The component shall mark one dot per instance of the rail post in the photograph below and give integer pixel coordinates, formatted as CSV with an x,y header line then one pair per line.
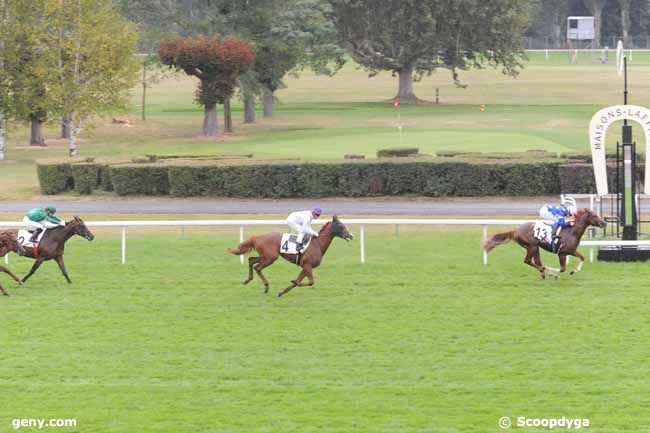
x,y
241,239
485,254
362,243
123,244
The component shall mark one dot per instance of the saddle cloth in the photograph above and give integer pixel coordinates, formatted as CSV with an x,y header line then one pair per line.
x,y
290,243
543,231
24,236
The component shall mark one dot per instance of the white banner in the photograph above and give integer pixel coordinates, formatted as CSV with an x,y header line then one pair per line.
x,y
598,131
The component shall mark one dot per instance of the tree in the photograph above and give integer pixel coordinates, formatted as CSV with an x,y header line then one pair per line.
x,y
596,8
411,38
216,62
92,54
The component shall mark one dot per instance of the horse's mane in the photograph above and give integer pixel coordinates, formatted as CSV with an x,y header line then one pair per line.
x,y
6,236
327,224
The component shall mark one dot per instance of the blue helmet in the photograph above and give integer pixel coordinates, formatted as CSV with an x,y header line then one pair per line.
x,y
316,210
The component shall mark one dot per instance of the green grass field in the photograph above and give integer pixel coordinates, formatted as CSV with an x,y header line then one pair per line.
x,y
548,106
422,338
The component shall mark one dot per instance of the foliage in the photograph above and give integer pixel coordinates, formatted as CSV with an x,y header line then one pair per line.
x,y
397,151
216,62
420,36
55,178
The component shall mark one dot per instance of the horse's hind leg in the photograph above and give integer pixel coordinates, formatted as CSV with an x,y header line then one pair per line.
x,y
263,263
251,262
582,262
37,263
2,290
537,264
11,274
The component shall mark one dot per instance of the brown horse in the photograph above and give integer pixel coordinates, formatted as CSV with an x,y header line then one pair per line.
x,y
268,247
9,242
569,241
53,244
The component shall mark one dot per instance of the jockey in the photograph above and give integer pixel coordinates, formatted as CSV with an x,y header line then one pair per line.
x,y
40,220
301,221
562,216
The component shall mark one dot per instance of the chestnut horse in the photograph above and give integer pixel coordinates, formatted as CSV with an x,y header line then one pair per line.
x,y
268,247
569,241
53,244
9,242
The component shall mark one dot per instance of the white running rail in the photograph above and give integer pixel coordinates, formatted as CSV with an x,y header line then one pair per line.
x,y
361,223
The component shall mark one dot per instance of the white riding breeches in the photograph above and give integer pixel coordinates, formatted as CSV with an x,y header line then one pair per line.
x,y
32,225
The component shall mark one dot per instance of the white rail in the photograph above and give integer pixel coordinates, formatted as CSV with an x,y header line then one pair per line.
x,y
362,223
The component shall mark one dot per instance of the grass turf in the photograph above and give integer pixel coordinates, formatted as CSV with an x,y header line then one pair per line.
x,y
422,338
547,107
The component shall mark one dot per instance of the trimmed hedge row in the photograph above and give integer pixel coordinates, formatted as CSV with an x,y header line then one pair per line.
x,y
397,152
349,179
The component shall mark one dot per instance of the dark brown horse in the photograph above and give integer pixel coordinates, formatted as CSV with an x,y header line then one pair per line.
x,y
569,241
268,247
9,242
52,245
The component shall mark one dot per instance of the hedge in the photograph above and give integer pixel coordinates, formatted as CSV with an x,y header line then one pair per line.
x,y
55,178
435,178
397,152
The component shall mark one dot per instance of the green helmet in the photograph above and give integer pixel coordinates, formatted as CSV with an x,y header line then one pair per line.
x,y
50,208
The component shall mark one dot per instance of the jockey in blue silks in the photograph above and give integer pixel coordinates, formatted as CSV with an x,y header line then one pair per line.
x,y
561,215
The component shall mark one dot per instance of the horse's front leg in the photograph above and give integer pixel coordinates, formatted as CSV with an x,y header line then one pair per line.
x,y
294,283
308,272
37,263
11,274
59,261
582,262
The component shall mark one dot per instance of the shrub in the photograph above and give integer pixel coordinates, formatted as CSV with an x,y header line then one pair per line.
x,y
397,152
55,178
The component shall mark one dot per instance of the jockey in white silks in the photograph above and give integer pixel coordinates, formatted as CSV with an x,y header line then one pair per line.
x,y
300,221
562,216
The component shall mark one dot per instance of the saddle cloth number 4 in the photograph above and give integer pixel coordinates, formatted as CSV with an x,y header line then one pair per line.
x,y
542,232
290,242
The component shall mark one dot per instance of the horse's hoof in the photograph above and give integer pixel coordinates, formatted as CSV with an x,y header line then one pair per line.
x,y
245,282
279,294
266,289
21,283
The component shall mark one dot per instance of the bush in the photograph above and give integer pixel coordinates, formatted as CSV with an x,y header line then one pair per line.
x,y
55,178
397,152
87,177
142,180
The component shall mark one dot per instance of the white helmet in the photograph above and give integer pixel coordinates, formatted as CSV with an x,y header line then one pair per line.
x,y
570,204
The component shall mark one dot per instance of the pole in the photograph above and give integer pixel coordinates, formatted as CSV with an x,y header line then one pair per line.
x,y
123,244
485,236
241,239
362,243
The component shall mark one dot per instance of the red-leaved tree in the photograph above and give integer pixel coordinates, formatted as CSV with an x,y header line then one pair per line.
x,y
216,62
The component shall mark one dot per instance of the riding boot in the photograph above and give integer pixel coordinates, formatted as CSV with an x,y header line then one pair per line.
x,y
35,234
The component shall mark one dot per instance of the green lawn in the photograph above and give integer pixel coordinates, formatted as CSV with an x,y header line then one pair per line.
x,y
547,107
422,338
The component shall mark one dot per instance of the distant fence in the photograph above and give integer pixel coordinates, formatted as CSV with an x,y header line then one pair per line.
x,y
361,223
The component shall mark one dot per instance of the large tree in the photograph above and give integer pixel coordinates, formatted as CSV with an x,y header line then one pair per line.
x,y
216,62
596,8
92,50
414,37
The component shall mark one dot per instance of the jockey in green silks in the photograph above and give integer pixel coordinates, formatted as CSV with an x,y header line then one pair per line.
x,y
41,219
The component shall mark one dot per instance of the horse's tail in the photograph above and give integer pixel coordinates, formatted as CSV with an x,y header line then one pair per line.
x,y
243,247
498,239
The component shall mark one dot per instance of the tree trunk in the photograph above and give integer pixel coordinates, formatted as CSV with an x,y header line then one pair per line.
x,y
36,138
144,90
405,91
65,127
227,116
267,101
2,138
72,140
625,20
210,125
596,8
249,109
